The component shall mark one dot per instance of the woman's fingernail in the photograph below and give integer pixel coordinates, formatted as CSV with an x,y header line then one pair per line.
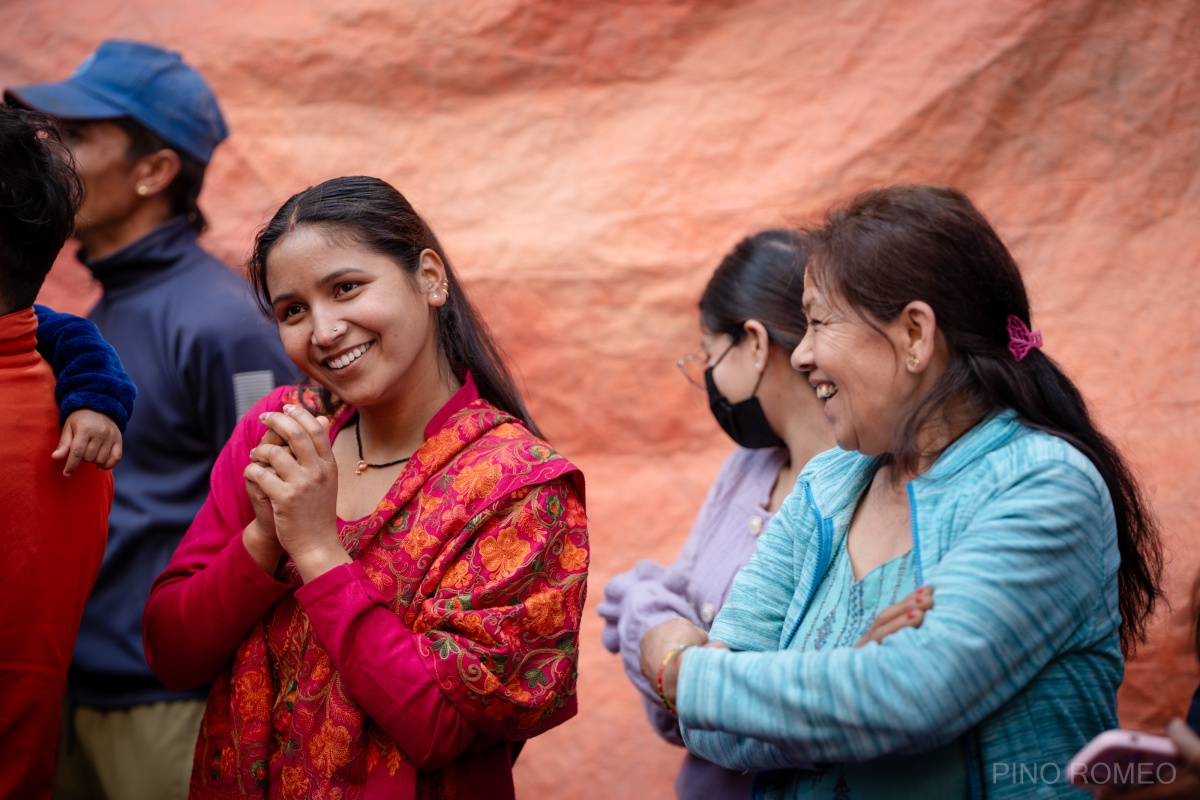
x,y
287,408
263,416
912,614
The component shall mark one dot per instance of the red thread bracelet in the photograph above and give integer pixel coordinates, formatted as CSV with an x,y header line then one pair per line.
x,y
662,668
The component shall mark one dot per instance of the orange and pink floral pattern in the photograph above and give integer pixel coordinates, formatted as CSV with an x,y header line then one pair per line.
x,y
481,547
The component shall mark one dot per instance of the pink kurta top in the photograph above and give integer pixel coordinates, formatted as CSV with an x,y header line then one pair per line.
x,y
214,594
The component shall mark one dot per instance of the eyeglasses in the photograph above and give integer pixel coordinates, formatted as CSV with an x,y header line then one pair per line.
x,y
694,365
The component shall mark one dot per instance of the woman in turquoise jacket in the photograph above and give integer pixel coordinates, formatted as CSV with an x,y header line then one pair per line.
x,y
968,464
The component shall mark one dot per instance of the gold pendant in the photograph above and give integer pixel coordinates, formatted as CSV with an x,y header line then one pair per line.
x,y
362,465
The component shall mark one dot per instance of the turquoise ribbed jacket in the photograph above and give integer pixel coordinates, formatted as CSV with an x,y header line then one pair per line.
x,y
1014,529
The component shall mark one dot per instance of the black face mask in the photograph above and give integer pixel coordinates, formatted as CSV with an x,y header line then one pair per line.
x,y
745,422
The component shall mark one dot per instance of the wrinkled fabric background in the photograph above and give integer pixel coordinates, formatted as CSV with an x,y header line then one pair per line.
x,y
587,164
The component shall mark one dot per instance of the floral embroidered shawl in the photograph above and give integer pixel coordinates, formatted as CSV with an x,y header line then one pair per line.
x,y
481,546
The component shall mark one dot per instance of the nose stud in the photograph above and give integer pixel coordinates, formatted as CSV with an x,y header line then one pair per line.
x,y
334,330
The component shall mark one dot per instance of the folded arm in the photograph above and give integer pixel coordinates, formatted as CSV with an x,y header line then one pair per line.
x,y
1021,583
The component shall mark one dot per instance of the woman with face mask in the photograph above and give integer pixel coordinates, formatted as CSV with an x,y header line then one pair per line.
x,y
750,320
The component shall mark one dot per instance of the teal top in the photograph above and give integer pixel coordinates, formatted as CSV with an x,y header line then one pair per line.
x,y
842,611
1019,658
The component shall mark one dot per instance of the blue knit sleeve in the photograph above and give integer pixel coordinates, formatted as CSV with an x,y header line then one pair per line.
x,y
89,373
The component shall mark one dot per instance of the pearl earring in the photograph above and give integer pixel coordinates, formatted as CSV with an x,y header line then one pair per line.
x,y
142,191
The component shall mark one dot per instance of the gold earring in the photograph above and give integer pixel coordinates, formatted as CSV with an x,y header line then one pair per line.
x,y
914,360
142,191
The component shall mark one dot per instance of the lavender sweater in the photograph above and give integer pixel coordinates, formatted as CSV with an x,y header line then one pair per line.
x,y
695,588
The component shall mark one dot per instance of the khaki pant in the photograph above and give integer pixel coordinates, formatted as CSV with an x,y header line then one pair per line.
x,y
139,753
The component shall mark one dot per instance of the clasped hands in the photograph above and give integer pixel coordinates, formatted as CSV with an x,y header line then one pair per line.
x,y
659,642
292,481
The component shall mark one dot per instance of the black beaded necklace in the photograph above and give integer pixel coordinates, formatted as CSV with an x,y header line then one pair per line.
x,y
362,462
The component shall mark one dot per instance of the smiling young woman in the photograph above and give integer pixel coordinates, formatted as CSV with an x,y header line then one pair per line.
x,y
386,583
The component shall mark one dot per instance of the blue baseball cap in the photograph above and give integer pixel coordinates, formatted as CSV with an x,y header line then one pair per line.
x,y
151,85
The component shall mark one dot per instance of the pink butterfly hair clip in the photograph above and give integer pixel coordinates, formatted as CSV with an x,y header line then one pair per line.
x,y
1020,339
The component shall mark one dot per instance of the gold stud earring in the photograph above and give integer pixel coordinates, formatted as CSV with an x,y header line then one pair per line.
x,y
914,360
142,191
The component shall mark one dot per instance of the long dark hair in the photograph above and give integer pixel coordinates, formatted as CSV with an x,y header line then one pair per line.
x,y
372,214
761,279
891,246
39,194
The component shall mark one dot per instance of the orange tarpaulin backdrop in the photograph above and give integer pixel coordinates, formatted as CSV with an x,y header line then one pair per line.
x,y
586,165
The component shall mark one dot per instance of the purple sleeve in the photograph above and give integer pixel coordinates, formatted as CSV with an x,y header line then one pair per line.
x,y
650,594
378,659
